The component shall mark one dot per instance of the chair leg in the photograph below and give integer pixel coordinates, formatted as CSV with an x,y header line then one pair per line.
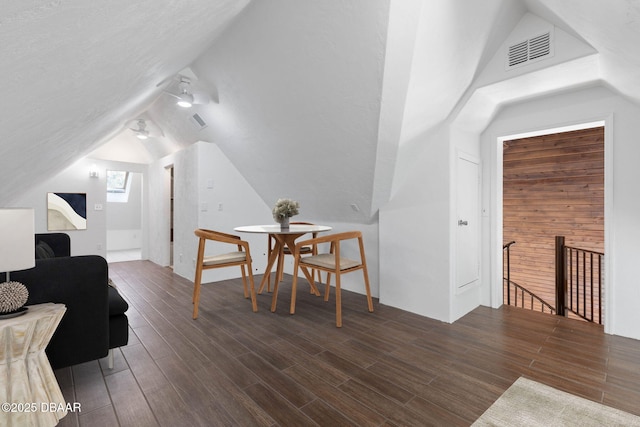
x,y
280,269
327,287
244,281
310,279
367,288
274,297
254,302
338,303
314,277
365,272
266,280
110,359
292,307
198,279
196,291
269,249
269,282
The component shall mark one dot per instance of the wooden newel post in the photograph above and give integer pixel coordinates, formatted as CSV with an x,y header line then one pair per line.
x,y
560,276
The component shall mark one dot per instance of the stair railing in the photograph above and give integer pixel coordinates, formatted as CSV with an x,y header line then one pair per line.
x,y
523,293
579,281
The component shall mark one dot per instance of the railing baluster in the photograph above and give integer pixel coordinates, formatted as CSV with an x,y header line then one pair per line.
x,y
508,274
591,267
600,289
577,306
584,283
570,279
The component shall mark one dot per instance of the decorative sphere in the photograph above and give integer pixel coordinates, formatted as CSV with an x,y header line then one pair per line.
x,y
13,295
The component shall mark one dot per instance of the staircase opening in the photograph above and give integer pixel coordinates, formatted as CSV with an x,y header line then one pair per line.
x,y
553,185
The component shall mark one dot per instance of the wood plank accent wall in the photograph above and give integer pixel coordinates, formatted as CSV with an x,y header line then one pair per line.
x,y
552,185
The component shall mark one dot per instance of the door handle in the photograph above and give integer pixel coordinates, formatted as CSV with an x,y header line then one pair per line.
x,y
461,222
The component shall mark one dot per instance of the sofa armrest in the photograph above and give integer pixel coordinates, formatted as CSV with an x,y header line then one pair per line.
x,y
80,283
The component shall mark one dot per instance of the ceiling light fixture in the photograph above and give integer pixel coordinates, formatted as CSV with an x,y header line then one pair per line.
x,y
186,97
185,100
141,133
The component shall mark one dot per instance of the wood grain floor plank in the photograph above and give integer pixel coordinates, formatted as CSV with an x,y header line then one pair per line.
x,y
394,411
279,408
233,398
277,380
147,373
169,409
370,379
191,390
349,405
101,417
90,388
329,373
325,415
128,400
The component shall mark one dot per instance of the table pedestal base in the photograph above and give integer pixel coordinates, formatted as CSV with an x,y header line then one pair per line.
x,y
29,392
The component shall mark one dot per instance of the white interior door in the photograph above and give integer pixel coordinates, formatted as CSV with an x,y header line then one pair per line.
x,y
468,220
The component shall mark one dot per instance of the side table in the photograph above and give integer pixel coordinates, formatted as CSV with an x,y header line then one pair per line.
x,y
29,392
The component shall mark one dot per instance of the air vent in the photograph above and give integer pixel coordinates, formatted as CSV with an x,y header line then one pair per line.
x,y
198,121
531,50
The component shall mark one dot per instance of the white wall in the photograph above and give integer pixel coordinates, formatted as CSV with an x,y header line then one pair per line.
x,y
225,201
74,179
622,200
414,236
204,180
302,77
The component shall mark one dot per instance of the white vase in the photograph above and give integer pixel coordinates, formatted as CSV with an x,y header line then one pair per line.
x,y
284,223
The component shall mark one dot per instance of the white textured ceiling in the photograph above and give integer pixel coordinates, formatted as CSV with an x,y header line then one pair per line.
x,y
74,71
292,78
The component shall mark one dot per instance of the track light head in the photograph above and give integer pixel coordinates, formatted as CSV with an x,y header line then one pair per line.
x,y
185,100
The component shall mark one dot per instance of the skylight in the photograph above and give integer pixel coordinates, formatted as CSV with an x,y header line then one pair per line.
x,y
117,181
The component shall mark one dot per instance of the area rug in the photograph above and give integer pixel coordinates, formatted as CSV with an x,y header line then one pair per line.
x,y
528,403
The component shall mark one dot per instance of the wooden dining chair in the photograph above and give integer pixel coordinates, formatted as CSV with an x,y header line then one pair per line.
x,y
312,249
333,263
241,257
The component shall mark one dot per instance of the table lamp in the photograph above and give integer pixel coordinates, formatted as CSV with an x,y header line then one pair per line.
x,y
17,252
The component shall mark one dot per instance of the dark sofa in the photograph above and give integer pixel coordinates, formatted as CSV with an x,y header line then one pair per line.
x,y
95,320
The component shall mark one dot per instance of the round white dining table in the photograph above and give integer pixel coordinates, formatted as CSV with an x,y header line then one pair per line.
x,y
283,237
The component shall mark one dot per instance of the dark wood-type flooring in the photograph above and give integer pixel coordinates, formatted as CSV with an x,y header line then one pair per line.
x,y
233,367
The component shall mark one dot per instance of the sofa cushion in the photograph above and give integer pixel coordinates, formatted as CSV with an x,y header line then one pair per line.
x,y
44,251
117,304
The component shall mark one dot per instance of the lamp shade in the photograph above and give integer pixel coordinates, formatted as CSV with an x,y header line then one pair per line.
x,y
17,241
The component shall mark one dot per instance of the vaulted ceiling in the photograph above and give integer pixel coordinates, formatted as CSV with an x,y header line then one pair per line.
x,y
311,100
